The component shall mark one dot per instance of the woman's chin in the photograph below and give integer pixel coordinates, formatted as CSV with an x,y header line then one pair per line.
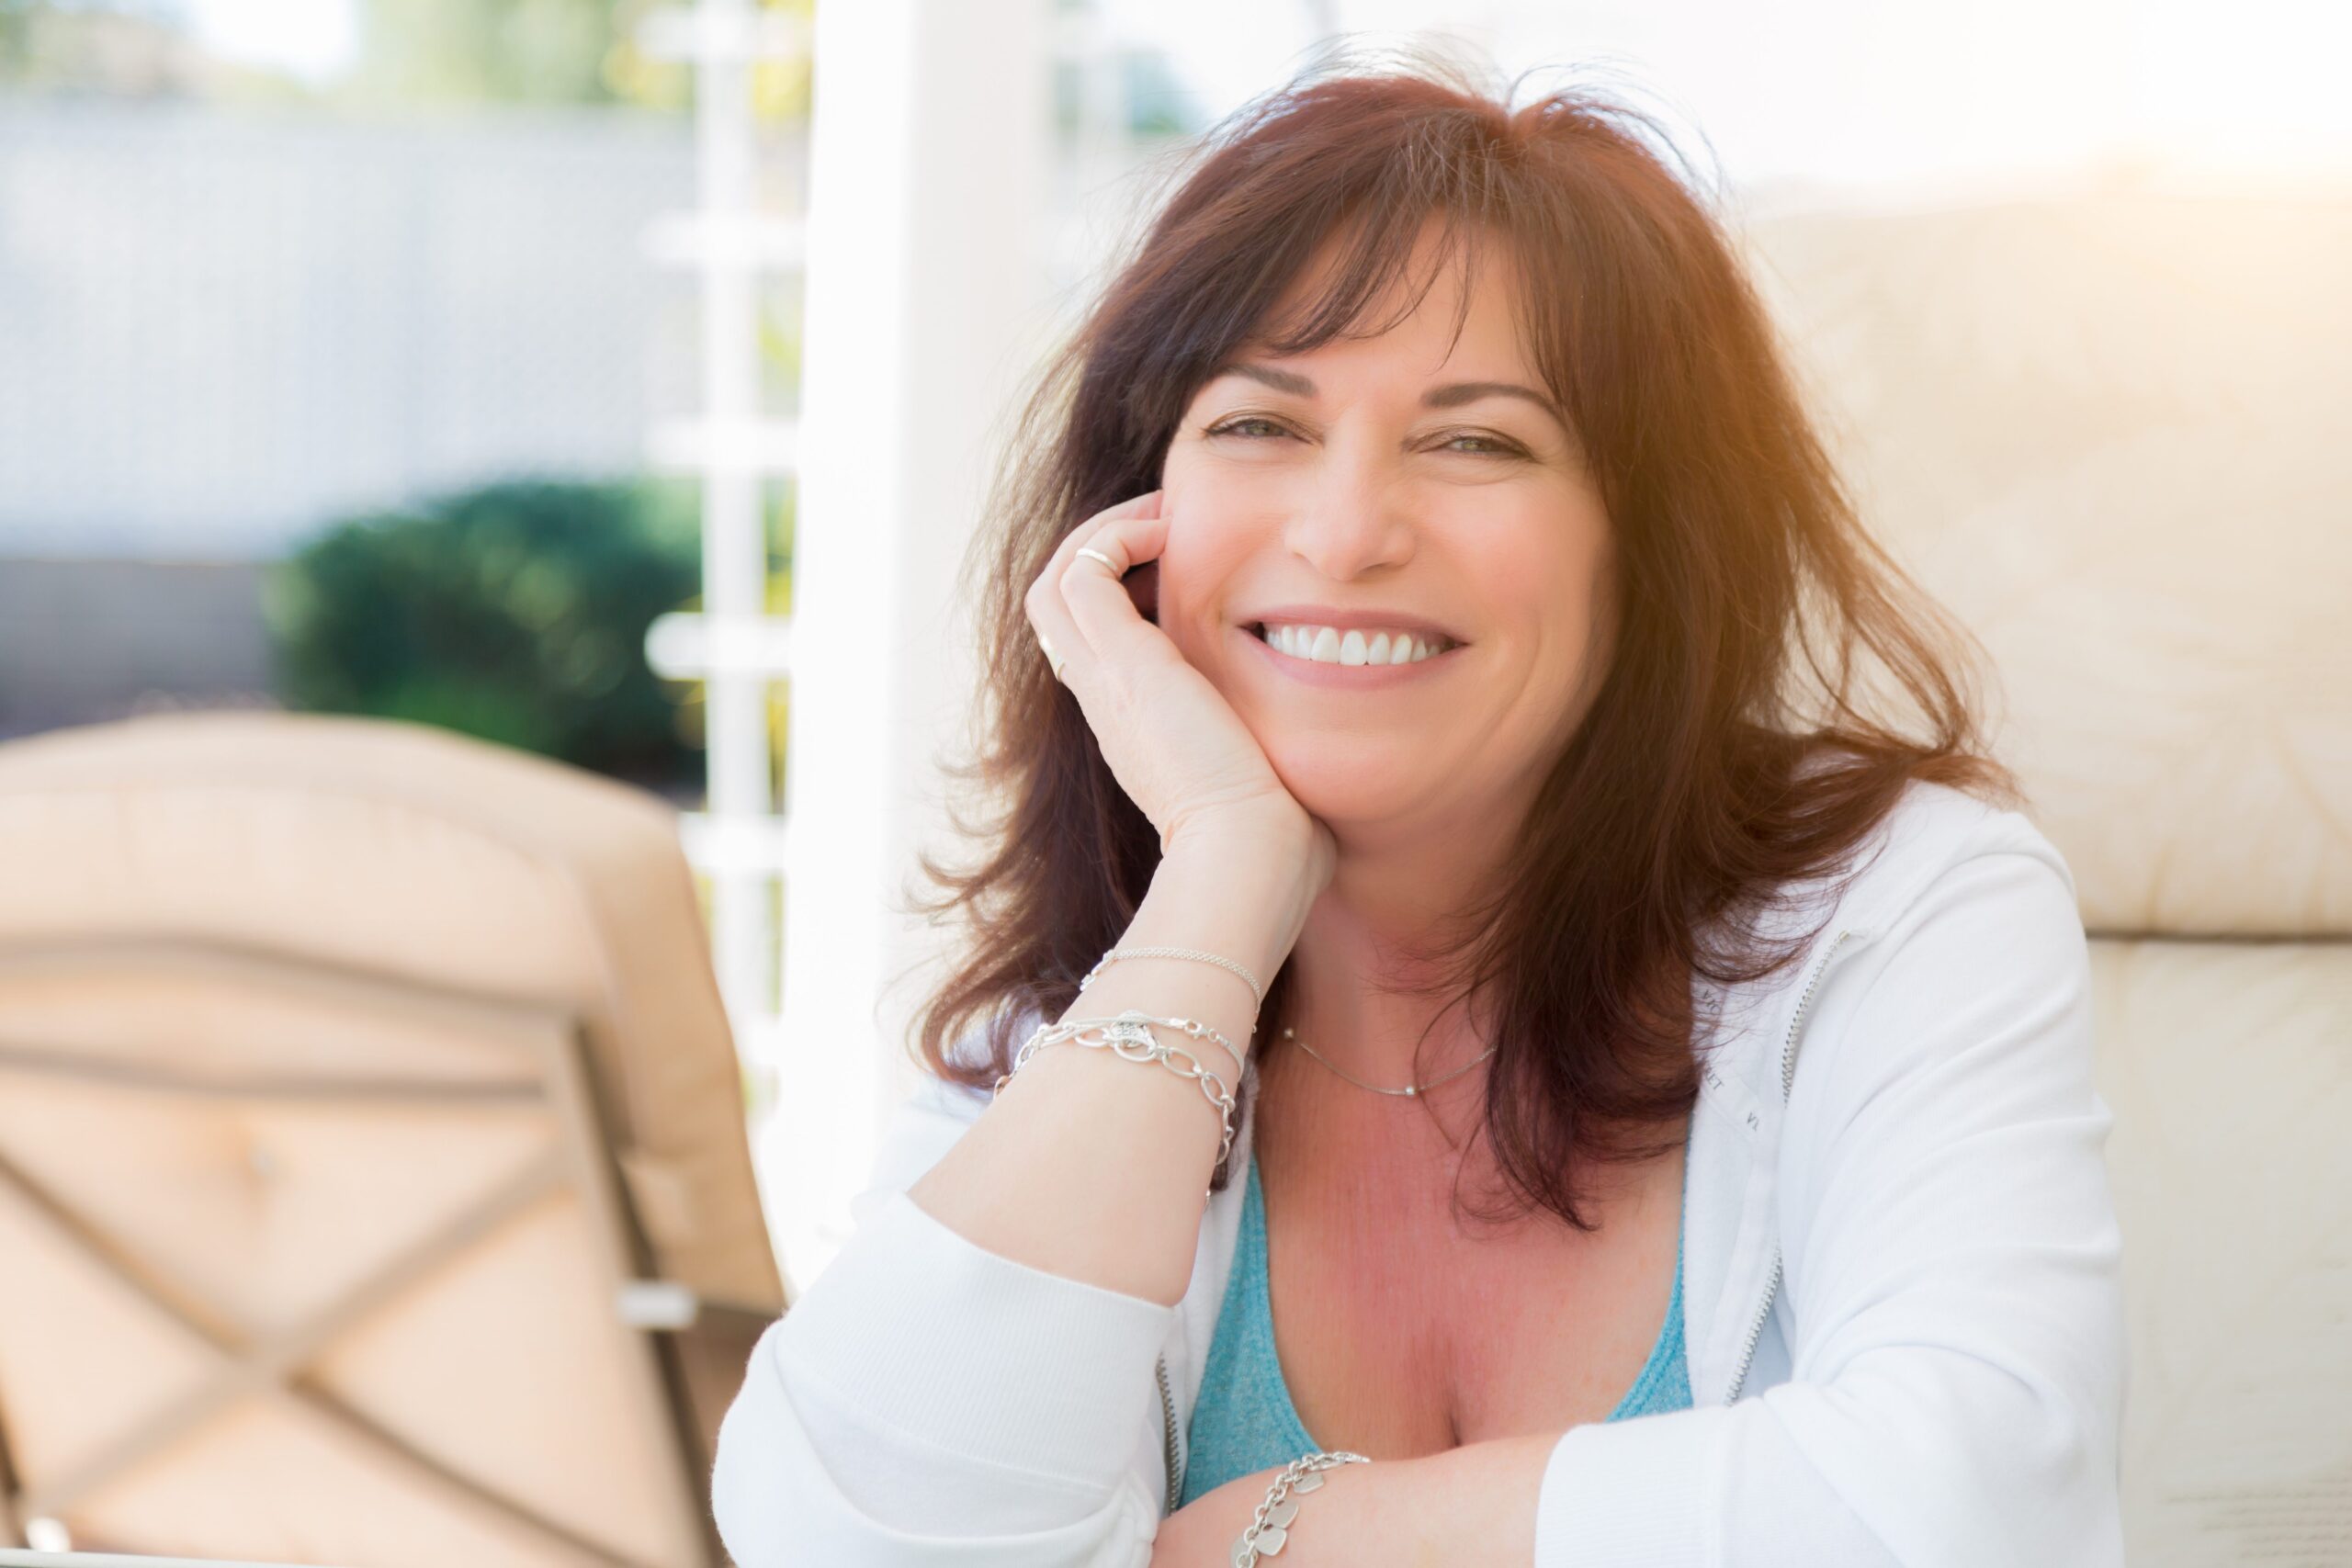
x,y
1342,803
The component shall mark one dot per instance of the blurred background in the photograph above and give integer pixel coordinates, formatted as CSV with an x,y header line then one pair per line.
x,y
617,382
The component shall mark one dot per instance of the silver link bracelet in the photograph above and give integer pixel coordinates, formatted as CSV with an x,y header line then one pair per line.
x,y
1269,1529
1129,1036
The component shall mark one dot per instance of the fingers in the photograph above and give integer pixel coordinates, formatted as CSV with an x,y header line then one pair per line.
x,y
1049,610
1097,599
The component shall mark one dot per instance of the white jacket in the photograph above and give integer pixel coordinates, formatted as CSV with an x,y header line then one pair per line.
x,y
1901,1293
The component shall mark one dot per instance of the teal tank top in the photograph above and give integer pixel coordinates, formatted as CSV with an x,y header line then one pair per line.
x,y
1244,1421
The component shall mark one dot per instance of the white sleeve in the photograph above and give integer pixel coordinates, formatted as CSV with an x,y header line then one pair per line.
x,y
928,1402
1952,1264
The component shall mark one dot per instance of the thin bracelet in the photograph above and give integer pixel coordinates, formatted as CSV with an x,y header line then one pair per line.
x,y
1257,991
1129,1036
1269,1528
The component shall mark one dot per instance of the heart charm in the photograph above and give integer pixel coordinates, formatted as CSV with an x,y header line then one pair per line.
x,y
1307,1482
1270,1542
1282,1513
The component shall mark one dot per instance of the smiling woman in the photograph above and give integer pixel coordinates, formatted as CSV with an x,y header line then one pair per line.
x,y
1400,359
1422,600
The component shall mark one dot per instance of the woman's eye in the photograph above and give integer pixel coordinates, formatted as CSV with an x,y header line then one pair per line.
x,y
1232,426
1484,446
1494,446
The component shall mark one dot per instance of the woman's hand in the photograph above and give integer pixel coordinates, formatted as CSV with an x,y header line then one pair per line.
x,y
1171,740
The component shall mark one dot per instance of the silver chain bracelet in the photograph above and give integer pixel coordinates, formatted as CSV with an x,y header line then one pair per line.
x,y
1256,990
1129,1036
1269,1529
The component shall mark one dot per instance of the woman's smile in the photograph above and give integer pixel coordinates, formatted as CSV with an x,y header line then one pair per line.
x,y
1303,667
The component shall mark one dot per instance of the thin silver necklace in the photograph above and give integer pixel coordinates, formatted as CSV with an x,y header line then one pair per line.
x,y
1412,1089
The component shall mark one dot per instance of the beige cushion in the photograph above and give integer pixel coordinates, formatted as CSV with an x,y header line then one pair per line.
x,y
2229,1067
2106,432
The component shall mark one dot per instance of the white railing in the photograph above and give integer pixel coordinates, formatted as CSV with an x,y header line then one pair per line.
x,y
733,645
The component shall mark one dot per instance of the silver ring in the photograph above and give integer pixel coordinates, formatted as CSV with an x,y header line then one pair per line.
x,y
1106,561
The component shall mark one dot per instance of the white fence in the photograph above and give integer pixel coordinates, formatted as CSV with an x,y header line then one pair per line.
x,y
217,331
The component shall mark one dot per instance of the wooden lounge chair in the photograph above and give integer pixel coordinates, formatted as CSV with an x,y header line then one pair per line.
x,y
373,1179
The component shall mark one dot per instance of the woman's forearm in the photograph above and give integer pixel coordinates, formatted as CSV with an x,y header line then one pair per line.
x,y
1092,1167
1473,1506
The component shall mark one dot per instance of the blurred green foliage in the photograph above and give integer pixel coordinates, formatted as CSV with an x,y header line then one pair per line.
x,y
544,52
423,51
516,612
410,54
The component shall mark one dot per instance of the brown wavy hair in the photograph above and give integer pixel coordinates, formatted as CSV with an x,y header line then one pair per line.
x,y
1721,760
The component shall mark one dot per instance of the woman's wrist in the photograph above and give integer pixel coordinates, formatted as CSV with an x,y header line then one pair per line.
x,y
1254,877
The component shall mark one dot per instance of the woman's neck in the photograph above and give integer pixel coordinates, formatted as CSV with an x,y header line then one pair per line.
x,y
1350,1025
1363,989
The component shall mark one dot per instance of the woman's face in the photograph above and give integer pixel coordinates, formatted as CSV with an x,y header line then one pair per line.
x,y
1384,484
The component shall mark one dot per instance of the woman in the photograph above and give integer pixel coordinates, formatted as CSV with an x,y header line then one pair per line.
x,y
1642,1100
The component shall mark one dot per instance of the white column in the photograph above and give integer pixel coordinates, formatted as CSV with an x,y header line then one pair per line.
x,y
926,302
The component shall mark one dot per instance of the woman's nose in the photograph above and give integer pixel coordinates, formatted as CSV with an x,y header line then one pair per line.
x,y
1351,520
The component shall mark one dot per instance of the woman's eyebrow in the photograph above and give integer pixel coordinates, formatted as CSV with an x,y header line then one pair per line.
x,y
1453,394
1280,381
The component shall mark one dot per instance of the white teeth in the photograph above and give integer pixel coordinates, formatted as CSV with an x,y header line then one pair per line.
x,y
1328,645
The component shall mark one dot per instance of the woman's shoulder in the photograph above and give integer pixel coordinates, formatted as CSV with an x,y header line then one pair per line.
x,y
1935,846
1931,833
1967,942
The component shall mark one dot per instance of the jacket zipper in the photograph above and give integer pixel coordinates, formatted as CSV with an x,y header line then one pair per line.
x,y
1788,1081
1168,1436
